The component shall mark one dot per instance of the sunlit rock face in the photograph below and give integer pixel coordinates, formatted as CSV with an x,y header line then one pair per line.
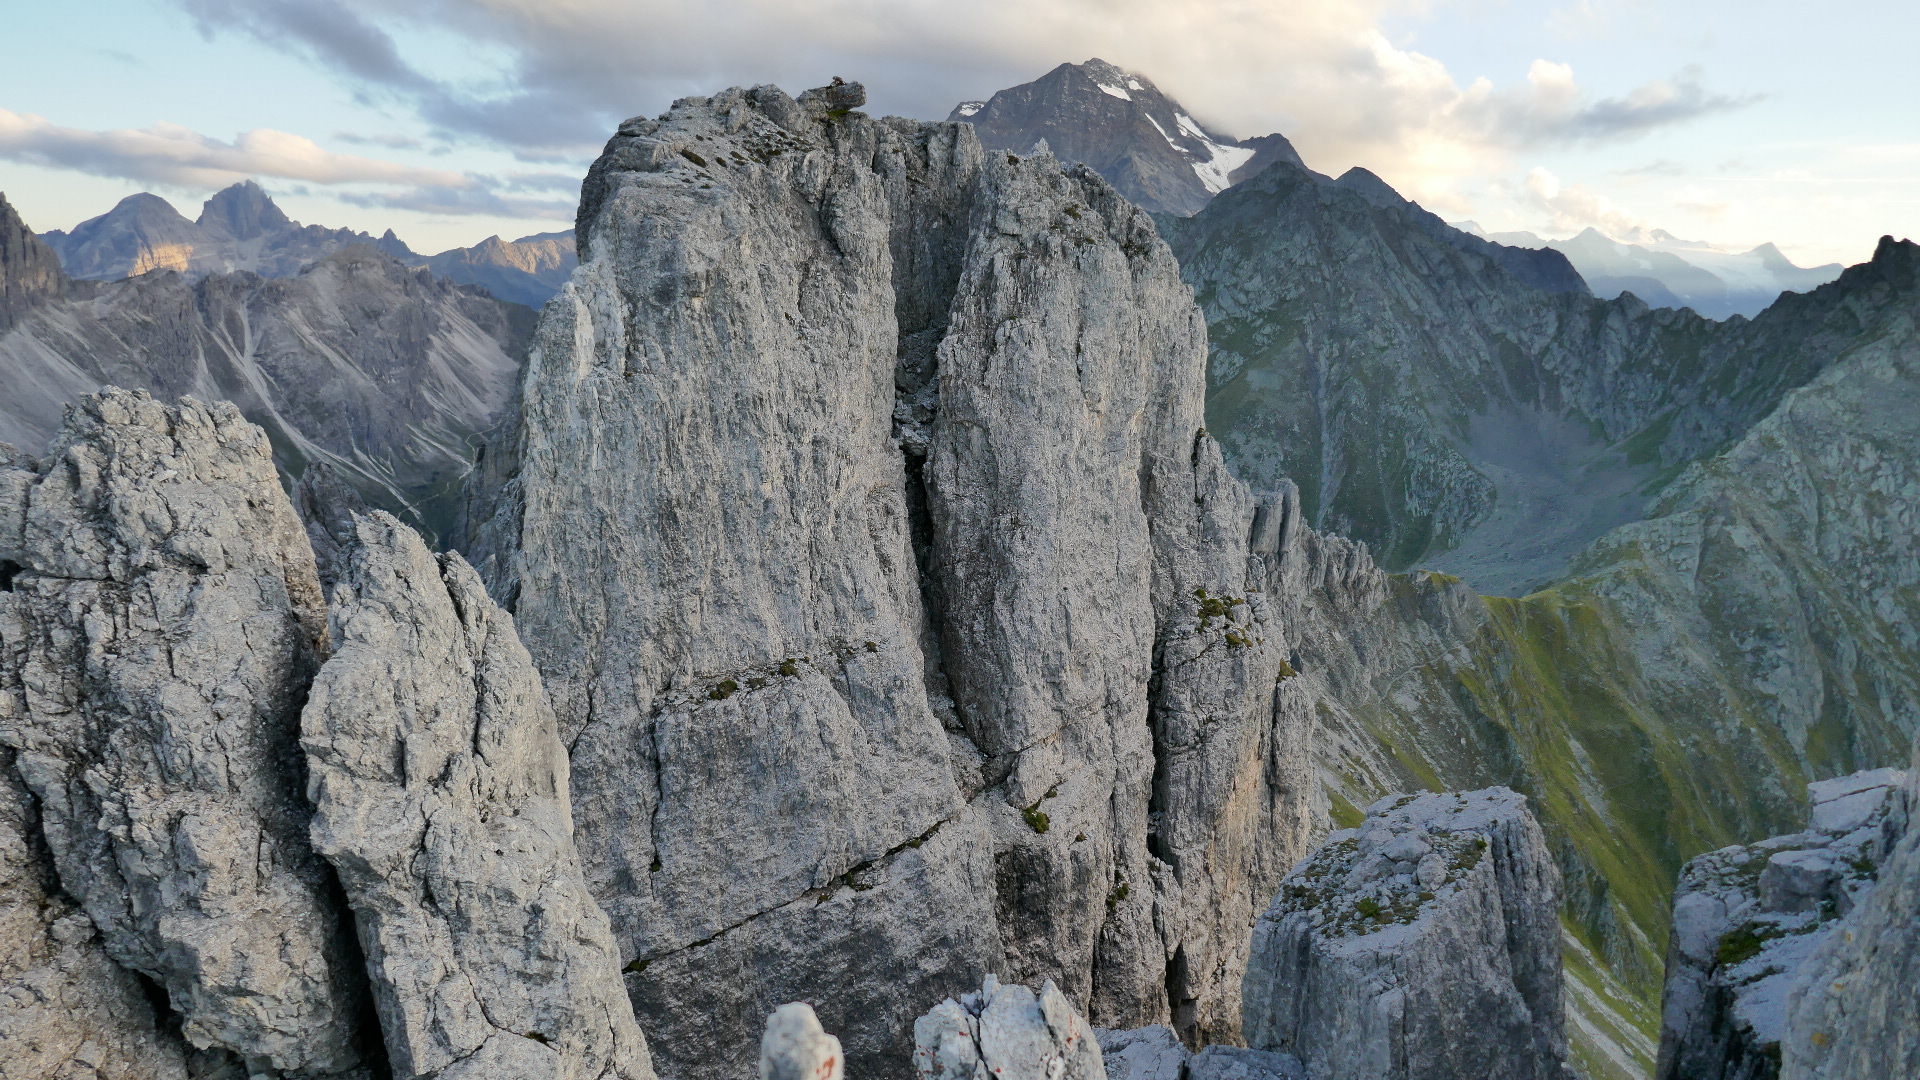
x,y
897,609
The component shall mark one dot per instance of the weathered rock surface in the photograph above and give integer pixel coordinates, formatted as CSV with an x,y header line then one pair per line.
x,y
1748,921
795,1047
1006,1032
1425,943
387,374
1222,1062
67,1010
1154,1052
439,787
861,521
161,619
1854,1011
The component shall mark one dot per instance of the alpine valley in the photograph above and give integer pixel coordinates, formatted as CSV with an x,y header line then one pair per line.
x,y
1056,592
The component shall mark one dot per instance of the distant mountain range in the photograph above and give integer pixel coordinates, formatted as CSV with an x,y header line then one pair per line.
x,y
381,370
240,228
1666,271
1142,141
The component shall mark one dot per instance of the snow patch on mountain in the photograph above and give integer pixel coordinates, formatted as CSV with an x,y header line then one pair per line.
x,y
1216,171
1115,91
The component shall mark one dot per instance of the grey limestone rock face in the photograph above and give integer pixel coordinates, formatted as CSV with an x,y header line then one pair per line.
x,y
67,1009
1006,1032
862,522
440,792
728,620
30,272
1854,1011
1424,943
161,620
1750,920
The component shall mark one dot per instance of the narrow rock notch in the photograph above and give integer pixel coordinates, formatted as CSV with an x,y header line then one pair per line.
x,y
896,607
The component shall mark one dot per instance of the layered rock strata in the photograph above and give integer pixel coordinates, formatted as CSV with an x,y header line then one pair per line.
x,y
1749,921
440,793
900,616
1424,943
1005,1031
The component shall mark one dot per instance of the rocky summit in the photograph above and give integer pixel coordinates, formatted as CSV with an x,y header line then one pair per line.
x,y
1122,126
861,519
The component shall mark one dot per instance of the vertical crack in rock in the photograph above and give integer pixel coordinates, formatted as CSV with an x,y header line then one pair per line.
x,y
860,484
440,794
731,581
159,639
1853,1013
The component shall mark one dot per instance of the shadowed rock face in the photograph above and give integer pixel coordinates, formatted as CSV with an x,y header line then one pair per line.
x,y
29,270
1457,410
1853,1013
1425,943
897,610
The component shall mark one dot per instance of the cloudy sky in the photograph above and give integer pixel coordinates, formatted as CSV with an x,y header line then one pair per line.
x,y
1733,121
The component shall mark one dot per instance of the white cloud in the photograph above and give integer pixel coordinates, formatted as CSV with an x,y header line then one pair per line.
x,y
1320,71
170,155
1572,207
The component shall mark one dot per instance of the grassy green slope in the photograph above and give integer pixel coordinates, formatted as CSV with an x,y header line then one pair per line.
x,y
1675,693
